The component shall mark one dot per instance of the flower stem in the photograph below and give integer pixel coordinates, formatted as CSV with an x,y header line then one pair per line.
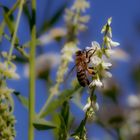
x,y
32,72
16,28
41,113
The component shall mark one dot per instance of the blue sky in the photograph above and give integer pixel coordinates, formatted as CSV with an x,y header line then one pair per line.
x,y
125,13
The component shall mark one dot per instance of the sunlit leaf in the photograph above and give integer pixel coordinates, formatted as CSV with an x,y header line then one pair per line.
x,y
42,124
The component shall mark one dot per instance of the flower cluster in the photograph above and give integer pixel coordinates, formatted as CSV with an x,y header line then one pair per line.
x,y
91,107
83,137
8,70
100,59
7,120
76,21
67,52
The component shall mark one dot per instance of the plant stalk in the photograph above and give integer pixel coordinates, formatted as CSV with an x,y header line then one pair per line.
x,y
32,72
16,28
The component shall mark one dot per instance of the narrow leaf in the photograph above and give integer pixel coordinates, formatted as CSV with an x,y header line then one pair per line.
x,y
42,124
23,100
56,103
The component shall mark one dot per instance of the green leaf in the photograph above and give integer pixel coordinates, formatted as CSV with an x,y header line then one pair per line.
x,y
42,124
27,14
20,59
23,100
9,19
9,13
80,130
64,96
65,112
64,118
62,130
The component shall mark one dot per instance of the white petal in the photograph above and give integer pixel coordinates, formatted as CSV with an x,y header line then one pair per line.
x,y
114,44
96,82
106,65
96,106
88,48
107,74
109,21
110,52
86,107
95,45
120,54
95,60
133,101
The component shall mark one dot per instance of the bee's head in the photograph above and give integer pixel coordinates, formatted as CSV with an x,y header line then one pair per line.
x,y
79,52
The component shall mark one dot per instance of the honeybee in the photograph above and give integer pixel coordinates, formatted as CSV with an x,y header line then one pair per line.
x,y
81,62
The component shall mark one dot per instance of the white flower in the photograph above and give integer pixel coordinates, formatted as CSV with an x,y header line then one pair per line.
x,y
68,50
49,37
114,44
5,90
86,107
105,27
110,43
133,101
11,73
95,60
94,105
96,82
109,52
119,54
95,45
109,21
80,5
106,65
44,62
107,74
2,67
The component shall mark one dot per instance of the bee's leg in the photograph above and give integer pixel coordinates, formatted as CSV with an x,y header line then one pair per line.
x,y
89,57
90,70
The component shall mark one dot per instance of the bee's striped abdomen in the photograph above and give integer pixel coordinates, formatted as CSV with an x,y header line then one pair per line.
x,y
82,78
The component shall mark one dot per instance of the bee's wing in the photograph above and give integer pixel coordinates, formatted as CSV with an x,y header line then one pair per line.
x,y
69,73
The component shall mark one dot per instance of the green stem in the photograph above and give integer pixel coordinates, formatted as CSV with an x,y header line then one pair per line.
x,y
32,72
16,28
45,105
18,47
